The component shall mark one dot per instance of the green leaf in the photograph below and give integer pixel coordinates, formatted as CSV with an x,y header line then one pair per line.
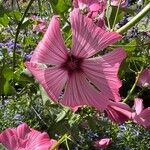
x,y
62,114
7,73
130,46
60,6
16,15
26,23
4,20
45,98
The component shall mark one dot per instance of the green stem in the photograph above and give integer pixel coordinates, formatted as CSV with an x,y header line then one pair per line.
x,y
107,10
116,15
63,138
134,85
18,31
135,19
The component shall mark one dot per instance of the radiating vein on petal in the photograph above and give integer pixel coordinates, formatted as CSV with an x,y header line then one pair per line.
x,y
51,50
52,79
22,130
88,39
103,72
79,92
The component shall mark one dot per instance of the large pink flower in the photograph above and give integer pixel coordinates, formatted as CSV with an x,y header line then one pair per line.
x,y
95,9
25,138
84,79
140,116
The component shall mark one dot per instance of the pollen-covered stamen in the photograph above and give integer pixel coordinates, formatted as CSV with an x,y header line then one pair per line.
x,y
72,64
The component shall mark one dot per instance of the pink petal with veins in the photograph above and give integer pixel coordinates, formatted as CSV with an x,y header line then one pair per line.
x,y
51,50
25,138
102,71
119,112
53,79
138,105
88,39
79,91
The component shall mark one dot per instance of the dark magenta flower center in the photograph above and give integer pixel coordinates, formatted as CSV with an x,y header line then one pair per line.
x,y
73,64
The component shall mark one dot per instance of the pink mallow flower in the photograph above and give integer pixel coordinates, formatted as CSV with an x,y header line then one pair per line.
x,y
103,143
94,9
82,78
25,138
144,80
119,112
141,116
40,24
123,3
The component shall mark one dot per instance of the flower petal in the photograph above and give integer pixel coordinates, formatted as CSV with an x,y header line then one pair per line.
x,y
143,118
88,39
119,112
80,92
144,79
40,142
138,104
8,139
51,50
102,72
52,79
22,131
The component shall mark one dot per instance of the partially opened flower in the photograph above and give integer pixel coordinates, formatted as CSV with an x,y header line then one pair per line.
x,y
94,9
119,112
140,116
25,138
144,79
103,143
84,79
123,3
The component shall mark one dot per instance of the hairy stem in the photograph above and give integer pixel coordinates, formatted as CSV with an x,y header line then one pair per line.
x,y
135,19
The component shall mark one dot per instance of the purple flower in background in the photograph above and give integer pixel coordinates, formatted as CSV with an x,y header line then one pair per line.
x,y
28,56
10,46
9,43
1,45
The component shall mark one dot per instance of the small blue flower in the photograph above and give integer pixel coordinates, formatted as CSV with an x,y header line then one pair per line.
x,y
28,56
9,43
